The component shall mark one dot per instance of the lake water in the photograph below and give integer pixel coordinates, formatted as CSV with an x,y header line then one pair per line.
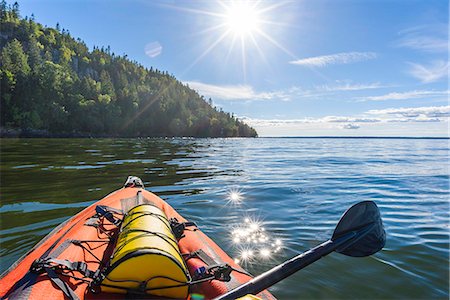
x,y
294,188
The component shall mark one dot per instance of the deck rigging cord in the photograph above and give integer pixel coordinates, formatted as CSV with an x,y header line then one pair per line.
x,y
110,217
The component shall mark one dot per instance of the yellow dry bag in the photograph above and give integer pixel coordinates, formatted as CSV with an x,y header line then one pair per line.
x,y
147,258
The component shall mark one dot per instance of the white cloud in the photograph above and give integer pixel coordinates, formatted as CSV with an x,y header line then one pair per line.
x,y
351,87
424,43
389,115
335,119
418,114
248,93
335,59
425,119
276,122
418,121
429,38
417,94
230,92
153,49
437,70
350,126
323,120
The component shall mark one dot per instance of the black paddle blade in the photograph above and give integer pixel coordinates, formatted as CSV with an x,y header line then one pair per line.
x,y
365,220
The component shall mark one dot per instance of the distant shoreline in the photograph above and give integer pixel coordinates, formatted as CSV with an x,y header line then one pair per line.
x,y
10,133
35,133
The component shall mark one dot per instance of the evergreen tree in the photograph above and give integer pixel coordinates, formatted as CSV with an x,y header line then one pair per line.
x,y
51,81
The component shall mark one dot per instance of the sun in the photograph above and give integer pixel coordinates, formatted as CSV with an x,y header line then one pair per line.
x,y
244,26
241,18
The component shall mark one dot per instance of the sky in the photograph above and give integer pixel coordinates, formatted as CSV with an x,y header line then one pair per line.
x,y
287,68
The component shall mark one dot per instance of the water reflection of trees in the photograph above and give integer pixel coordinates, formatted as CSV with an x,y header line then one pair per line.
x,y
76,170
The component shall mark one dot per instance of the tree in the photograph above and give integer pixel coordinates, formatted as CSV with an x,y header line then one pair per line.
x,y
34,53
15,10
51,81
14,59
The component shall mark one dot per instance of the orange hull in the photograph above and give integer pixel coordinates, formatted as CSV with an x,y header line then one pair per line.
x,y
19,281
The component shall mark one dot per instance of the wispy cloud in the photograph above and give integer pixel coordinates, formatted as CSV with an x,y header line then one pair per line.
x,y
326,119
350,126
335,59
153,49
329,90
437,70
340,119
389,115
418,114
231,92
248,93
420,94
429,38
351,87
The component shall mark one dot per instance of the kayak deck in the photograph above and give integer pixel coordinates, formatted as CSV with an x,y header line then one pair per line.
x,y
87,238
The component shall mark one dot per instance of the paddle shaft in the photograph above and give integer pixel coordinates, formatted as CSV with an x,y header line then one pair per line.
x,y
278,273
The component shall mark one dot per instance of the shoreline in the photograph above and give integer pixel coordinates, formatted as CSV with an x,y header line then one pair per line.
x,y
37,133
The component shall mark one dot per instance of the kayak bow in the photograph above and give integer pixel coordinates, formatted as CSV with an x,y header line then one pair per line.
x,y
130,243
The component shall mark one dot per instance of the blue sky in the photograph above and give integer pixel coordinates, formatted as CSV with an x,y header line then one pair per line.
x,y
289,68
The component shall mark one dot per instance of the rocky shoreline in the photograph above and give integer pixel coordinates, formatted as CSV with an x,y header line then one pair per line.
x,y
37,133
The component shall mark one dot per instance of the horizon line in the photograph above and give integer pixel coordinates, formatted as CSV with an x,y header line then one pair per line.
x,y
360,137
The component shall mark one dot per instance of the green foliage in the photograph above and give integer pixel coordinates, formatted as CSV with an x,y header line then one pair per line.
x,y
14,59
50,81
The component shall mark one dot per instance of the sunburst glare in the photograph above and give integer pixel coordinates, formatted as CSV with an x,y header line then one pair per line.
x,y
242,17
239,20
253,242
234,196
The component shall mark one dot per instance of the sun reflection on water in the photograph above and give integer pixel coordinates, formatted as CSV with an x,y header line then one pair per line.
x,y
253,242
234,196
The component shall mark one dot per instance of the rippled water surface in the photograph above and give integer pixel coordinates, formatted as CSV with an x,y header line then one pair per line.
x,y
294,188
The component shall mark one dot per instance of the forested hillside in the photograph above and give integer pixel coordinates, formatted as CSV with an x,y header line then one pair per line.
x,y
52,83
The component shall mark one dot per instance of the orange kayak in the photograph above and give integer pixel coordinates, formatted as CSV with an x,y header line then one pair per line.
x,y
74,260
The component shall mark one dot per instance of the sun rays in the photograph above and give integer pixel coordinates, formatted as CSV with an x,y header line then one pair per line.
x,y
240,26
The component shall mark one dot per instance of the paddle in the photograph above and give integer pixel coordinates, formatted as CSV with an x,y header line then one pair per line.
x,y
359,233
